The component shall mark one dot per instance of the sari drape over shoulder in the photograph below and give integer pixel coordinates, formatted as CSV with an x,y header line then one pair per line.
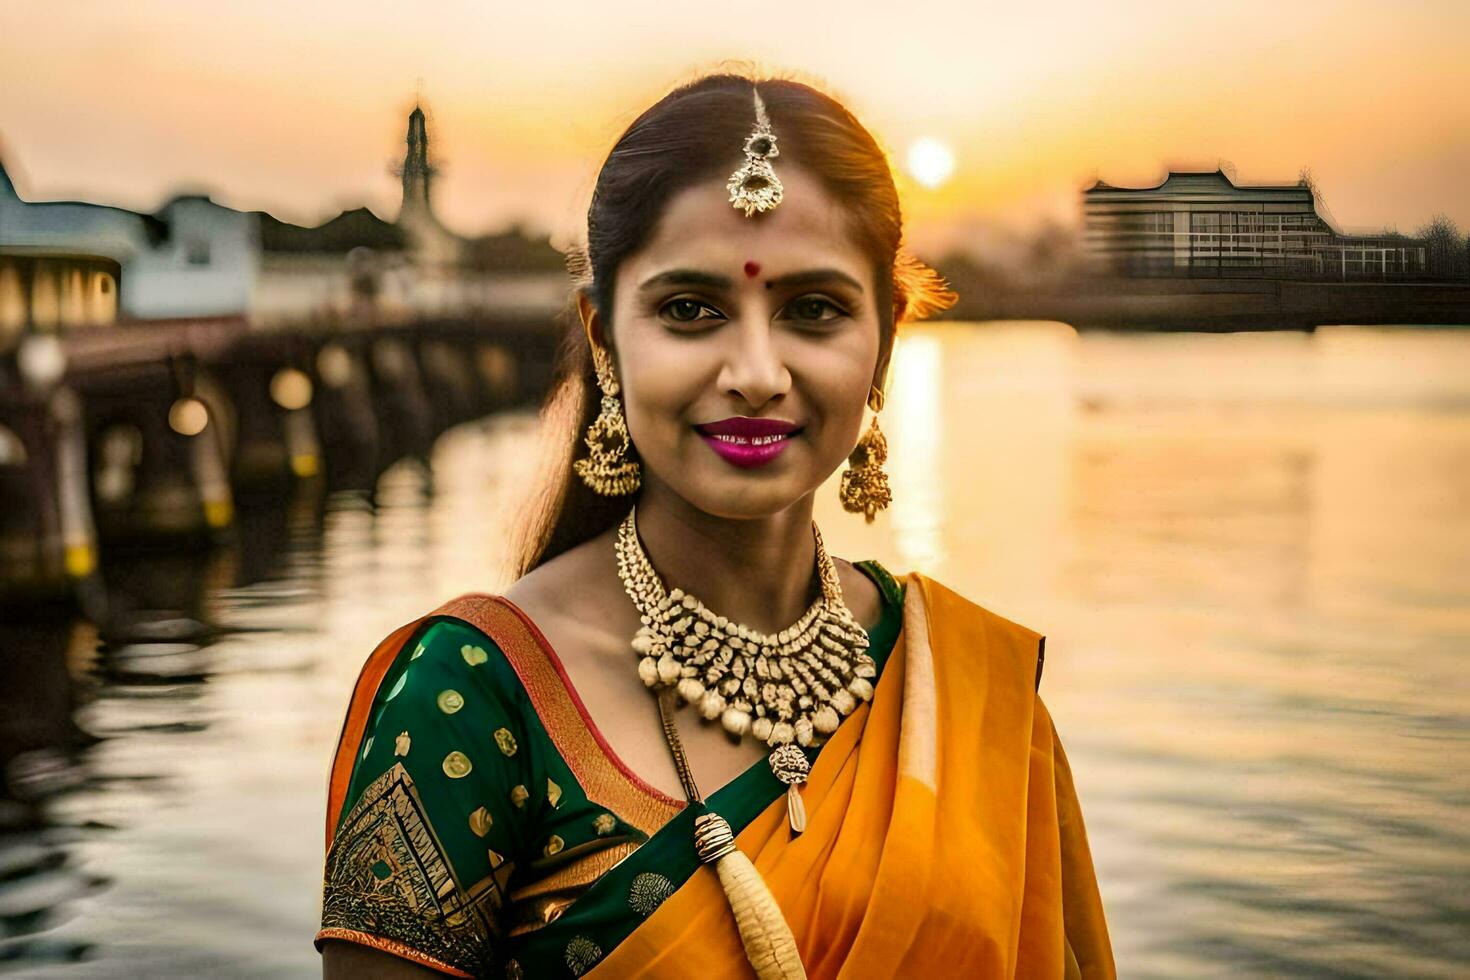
x,y
944,835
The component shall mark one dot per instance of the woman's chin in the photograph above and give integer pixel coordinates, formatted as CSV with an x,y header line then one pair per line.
x,y
744,498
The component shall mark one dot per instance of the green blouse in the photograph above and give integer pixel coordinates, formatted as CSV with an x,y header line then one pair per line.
x,y
465,840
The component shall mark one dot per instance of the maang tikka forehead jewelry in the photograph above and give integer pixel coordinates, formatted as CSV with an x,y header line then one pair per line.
x,y
755,186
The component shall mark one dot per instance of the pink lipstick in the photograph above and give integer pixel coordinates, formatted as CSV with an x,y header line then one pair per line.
x,y
748,442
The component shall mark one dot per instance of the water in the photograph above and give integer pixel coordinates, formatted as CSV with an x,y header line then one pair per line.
x,y
1250,554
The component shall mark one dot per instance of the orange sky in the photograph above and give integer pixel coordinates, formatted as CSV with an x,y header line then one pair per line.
x,y
298,107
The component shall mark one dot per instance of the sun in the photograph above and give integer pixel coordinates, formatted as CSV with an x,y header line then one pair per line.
x,y
930,161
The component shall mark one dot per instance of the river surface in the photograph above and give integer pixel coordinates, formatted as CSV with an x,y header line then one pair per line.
x,y
1250,555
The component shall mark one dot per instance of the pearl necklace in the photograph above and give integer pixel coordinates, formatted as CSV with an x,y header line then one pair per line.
x,y
787,689
790,686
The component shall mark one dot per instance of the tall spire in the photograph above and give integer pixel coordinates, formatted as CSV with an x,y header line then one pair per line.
x,y
431,242
417,172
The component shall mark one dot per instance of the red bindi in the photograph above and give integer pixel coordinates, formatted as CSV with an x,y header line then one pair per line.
x,y
752,269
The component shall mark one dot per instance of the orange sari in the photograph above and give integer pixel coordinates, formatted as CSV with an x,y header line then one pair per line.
x,y
944,835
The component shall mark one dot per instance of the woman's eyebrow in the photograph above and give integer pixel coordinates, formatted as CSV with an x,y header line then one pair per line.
x,y
694,277
812,277
685,277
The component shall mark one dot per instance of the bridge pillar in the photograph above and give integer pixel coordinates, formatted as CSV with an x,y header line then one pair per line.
x,y
260,462
156,462
74,503
405,417
346,421
48,541
449,383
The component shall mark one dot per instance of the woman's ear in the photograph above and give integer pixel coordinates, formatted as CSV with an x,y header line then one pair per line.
x,y
591,319
900,301
885,358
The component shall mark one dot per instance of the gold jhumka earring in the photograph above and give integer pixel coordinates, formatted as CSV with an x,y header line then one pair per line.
x,y
865,487
606,469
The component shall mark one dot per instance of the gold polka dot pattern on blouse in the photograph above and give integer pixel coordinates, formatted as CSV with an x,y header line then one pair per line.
x,y
506,741
450,701
481,822
457,765
519,795
496,858
553,845
401,744
367,746
604,823
473,655
553,792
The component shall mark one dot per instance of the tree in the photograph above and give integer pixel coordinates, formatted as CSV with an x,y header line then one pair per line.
x,y
1052,251
1444,253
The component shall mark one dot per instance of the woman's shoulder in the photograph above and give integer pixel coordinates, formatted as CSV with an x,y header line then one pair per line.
x,y
431,675
456,641
469,652
952,615
942,600
443,785
890,587
470,631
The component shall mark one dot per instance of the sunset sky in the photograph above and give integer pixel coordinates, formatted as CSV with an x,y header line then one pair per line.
x,y
298,108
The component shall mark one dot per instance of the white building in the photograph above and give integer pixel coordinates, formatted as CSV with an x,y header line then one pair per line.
x,y
1201,224
71,264
67,264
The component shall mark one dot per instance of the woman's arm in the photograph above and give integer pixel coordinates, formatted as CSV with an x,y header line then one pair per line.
x,y
432,803
342,960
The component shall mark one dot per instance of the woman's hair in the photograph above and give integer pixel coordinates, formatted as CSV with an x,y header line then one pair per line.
x,y
692,134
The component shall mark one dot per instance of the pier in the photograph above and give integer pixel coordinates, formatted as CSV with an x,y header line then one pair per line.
x,y
159,369
146,434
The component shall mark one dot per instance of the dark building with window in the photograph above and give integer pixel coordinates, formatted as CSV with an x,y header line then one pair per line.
x,y
1201,224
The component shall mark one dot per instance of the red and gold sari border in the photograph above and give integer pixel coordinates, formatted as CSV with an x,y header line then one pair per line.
x,y
389,946
359,709
586,719
602,775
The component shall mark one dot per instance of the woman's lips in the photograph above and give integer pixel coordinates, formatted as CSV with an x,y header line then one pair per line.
x,y
747,451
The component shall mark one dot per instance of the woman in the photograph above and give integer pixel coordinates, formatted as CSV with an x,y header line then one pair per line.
x,y
868,772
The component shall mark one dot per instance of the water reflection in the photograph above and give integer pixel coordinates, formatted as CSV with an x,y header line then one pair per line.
x,y
916,393
1250,554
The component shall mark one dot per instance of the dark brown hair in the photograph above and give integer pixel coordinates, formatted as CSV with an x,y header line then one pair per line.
x,y
690,135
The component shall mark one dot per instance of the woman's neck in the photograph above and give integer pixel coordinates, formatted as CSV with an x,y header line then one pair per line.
x,y
758,572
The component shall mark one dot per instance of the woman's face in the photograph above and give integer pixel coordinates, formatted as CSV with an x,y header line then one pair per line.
x,y
723,317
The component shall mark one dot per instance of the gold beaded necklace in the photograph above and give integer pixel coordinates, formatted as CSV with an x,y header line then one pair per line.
x,y
787,689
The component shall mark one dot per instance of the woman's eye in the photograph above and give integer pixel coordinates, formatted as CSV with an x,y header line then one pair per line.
x,y
810,308
685,310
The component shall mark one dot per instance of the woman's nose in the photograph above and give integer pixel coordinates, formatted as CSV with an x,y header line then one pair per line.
x,y
754,368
